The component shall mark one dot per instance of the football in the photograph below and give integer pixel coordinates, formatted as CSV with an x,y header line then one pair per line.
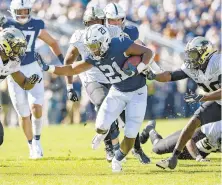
x,y
134,60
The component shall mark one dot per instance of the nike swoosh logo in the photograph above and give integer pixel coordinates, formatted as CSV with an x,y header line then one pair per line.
x,y
210,79
30,28
113,58
140,93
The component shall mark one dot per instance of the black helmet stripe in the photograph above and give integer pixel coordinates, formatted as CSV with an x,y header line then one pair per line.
x,y
93,12
115,8
22,3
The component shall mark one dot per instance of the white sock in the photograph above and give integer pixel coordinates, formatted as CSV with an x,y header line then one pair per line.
x,y
36,126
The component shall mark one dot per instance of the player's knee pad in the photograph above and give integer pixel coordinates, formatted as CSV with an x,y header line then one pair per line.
x,y
114,130
99,131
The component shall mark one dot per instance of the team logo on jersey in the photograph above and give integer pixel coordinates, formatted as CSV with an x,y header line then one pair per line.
x,y
30,28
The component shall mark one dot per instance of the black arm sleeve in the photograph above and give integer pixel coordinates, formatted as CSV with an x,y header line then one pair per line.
x,y
178,75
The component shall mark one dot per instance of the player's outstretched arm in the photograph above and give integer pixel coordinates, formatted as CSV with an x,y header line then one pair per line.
x,y
23,81
48,39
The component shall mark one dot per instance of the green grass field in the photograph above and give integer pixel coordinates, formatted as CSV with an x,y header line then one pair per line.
x,y
69,160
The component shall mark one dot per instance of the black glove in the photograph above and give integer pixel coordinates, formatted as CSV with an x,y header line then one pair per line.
x,y
150,75
192,98
33,79
72,95
42,64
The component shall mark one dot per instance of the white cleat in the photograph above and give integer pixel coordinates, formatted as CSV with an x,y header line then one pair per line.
x,y
116,165
37,152
98,138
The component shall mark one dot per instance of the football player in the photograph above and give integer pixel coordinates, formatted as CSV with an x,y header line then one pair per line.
x,y
128,91
116,16
205,140
203,65
12,46
93,80
27,103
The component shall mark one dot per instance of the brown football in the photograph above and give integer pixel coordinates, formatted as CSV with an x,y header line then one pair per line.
x,y
134,60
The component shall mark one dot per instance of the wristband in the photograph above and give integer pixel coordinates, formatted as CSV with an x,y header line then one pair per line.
x,y
61,58
141,67
51,68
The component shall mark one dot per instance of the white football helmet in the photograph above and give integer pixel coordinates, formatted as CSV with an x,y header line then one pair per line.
x,y
93,14
12,43
115,11
197,51
15,8
97,40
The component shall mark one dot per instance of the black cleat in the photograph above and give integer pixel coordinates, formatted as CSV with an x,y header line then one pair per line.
x,y
139,154
109,154
144,136
170,163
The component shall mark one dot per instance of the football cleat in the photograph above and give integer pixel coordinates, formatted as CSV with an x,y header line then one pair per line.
x,y
116,165
144,136
98,138
37,149
170,163
139,154
109,154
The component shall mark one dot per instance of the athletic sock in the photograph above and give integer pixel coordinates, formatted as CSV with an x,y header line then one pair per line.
x,y
176,153
36,127
116,147
119,155
154,136
137,142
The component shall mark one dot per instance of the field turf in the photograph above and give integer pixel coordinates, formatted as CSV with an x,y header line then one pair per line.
x,y
69,160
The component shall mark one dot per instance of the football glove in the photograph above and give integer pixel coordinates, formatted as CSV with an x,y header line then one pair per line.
x,y
33,79
192,98
42,64
72,95
150,75
131,70
3,20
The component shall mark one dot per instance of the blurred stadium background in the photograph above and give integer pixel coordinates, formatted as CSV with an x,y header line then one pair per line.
x,y
164,25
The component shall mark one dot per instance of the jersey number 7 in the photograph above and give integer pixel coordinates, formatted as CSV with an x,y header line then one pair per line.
x,y
29,35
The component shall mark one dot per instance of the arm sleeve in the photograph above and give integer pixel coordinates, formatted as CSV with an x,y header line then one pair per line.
x,y
178,75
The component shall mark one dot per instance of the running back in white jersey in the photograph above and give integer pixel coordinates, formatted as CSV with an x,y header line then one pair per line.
x,y
210,80
9,68
94,74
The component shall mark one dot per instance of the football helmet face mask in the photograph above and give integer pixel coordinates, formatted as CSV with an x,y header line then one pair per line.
x,y
97,40
12,43
115,15
21,10
93,15
197,52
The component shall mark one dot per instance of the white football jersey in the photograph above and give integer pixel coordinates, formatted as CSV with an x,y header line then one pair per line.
x,y
93,74
9,68
213,131
208,81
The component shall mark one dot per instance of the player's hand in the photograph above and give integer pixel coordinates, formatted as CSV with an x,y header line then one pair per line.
x,y
42,64
131,70
72,95
149,75
3,20
192,97
33,79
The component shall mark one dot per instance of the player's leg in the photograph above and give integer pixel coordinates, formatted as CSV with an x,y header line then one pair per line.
x,y
206,113
97,93
1,134
135,112
20,103
112,106
36,99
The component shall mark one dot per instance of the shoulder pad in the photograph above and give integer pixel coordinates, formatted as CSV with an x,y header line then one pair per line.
x,y
77,36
